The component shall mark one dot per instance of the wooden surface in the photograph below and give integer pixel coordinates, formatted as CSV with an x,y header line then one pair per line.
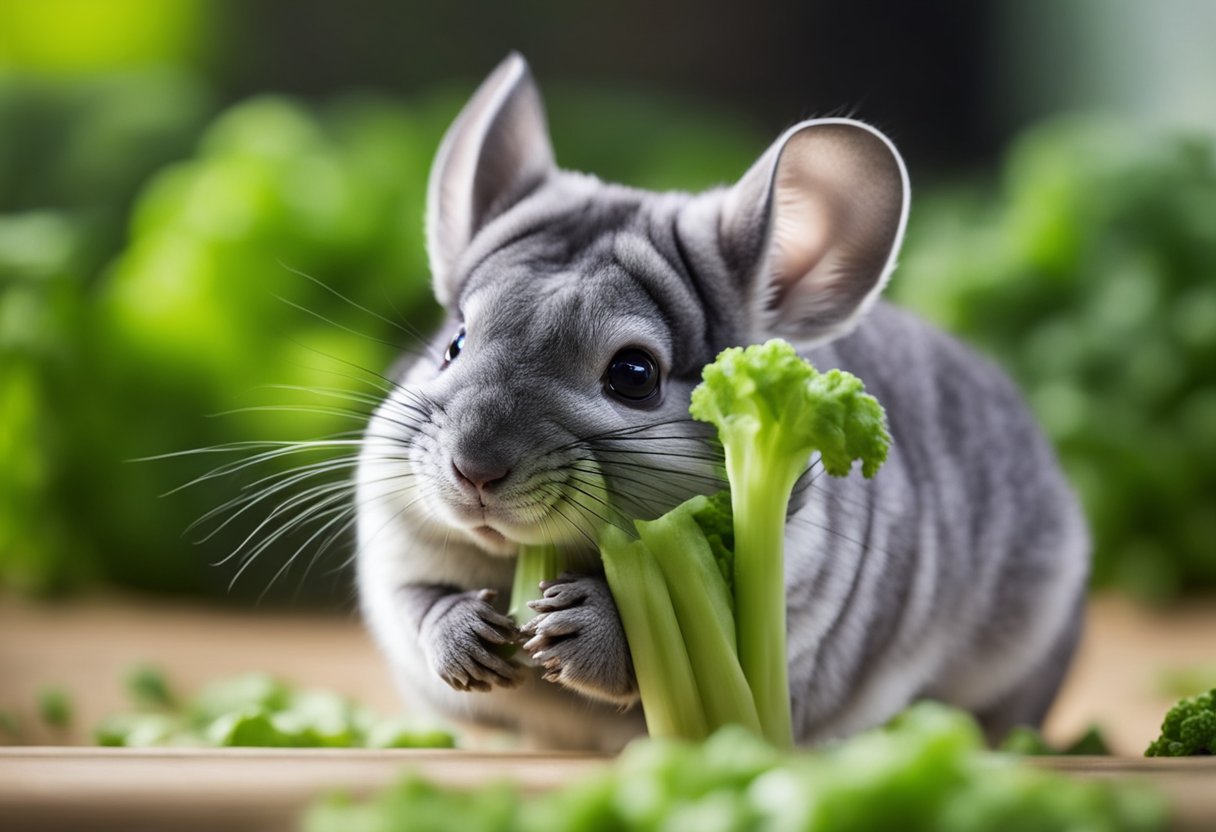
x,y
231,789
85,647
264,790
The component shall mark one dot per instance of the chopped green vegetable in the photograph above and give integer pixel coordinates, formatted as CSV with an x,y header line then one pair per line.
x,y
1189,728
9,724
148,687
927,770
55,707
258,710
773,410
1029,742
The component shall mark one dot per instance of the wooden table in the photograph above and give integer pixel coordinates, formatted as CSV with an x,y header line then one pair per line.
x,y
264,790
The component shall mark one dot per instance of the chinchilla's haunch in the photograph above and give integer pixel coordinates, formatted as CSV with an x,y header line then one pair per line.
x,y
555,398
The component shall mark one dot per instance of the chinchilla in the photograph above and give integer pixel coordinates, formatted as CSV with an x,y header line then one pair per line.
x,y
579,316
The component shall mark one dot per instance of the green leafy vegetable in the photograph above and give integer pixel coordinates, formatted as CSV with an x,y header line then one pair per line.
x,y
10,726
773,410
258,710
926,770
55,707
1028,741
148,687
1189,728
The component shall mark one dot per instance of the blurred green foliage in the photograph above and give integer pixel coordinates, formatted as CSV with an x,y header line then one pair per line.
x,y
257,710
238,288
82,37
162,261
1090,273
926,770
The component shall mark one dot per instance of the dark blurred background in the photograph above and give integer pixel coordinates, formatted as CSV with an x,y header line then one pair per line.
x,y
169,169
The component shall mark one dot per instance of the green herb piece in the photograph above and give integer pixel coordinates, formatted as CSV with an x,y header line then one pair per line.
x,y
148,687
55,707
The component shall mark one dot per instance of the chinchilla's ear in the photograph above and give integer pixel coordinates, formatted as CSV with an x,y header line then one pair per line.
x,y
495,152
815,226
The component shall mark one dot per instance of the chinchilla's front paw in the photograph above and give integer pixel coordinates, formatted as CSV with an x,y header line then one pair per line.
x,y
577,637
461,635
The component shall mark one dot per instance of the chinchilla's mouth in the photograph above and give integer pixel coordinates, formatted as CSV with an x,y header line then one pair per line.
x,y
490,535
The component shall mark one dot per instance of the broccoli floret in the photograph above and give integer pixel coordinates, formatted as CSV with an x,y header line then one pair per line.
x,y
1189,729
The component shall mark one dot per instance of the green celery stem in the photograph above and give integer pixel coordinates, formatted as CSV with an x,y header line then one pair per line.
x,y
671,702
760,502
535,563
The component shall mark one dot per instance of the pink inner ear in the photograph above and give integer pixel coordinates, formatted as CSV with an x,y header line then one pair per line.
x,y
802,233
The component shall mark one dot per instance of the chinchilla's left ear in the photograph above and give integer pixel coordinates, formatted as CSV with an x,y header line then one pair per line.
x,y
493,155
814,227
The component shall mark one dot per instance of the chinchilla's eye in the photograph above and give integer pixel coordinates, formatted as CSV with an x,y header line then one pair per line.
x,y
633,375
454,348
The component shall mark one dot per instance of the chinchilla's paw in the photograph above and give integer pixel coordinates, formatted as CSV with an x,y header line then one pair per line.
x,y
577,638
462,635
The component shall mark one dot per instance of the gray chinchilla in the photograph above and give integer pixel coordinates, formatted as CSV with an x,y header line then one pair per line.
x,y
579,316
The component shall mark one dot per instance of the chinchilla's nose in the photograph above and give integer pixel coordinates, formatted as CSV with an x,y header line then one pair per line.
x,y
480,475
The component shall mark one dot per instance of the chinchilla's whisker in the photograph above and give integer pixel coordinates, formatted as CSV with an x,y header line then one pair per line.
x,y
595,500
610,477
660,454
408,328
626,431
244,502
314,504
406,350
277,535
327,392
320,410
233,447
398,325
344,512
643,509
700,440
310,499
345,413
809,479
714,479
428,516
278,450
372,402
557,508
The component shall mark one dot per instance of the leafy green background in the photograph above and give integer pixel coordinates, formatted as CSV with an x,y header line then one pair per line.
x,y
158,242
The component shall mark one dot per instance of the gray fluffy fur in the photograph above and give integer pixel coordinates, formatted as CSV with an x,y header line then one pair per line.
x,y
956,573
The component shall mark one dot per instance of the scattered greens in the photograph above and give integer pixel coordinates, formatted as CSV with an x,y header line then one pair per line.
x,y
1028,741
1189,729
55,707
257,710
10,725
148,687
926,771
